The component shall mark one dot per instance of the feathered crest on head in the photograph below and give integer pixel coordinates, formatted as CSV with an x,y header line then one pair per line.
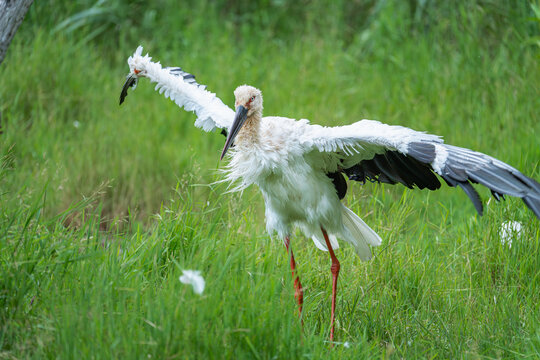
x,y
137,63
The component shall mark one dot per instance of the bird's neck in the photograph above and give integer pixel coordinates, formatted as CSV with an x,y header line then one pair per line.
x,y
249,134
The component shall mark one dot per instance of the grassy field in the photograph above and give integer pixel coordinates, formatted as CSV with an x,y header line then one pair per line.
x,y
102,207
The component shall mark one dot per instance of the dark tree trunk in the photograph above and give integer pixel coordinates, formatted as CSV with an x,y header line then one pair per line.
x,y
11,16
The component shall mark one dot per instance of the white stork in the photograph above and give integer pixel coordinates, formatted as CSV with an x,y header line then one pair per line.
x,y
300,167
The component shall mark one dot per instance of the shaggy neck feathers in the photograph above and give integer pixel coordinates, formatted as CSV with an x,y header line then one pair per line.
x,y
249,133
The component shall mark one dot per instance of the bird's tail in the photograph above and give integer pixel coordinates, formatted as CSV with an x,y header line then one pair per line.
x,y
355,231
358,233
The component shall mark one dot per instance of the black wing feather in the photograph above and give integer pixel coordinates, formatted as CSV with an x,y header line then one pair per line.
x,y
187,77
339,183
388,169
461,168
473,195
393,167
499,177
533,204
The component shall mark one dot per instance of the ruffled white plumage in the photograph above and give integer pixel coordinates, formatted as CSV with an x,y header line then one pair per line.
x,y
211,112
297,192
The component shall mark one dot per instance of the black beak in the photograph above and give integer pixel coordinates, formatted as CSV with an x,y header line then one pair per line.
x,y
239,120
131,81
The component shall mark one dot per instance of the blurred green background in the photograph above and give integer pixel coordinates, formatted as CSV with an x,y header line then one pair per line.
x,y
91,191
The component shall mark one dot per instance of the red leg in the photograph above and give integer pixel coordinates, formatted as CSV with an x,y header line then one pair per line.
x,y
335,272
298,291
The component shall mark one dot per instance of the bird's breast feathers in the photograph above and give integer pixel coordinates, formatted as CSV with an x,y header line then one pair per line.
x,y
275,153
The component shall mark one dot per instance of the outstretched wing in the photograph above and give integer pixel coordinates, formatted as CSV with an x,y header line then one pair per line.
x,y
370,150
182,88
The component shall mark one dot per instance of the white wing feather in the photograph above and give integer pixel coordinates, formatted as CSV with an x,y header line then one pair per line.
x,y
211,112
363,139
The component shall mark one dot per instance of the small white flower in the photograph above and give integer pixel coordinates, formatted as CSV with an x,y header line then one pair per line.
x,y
510,230
347,344
193,278
76,124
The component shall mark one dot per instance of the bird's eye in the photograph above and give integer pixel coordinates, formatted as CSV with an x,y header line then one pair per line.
x,y
252,98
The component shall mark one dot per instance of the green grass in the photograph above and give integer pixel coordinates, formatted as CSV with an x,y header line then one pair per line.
x,y
101,207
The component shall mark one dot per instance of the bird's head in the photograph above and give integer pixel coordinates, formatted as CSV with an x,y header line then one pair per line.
x,y
249,98
137,68
248,101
